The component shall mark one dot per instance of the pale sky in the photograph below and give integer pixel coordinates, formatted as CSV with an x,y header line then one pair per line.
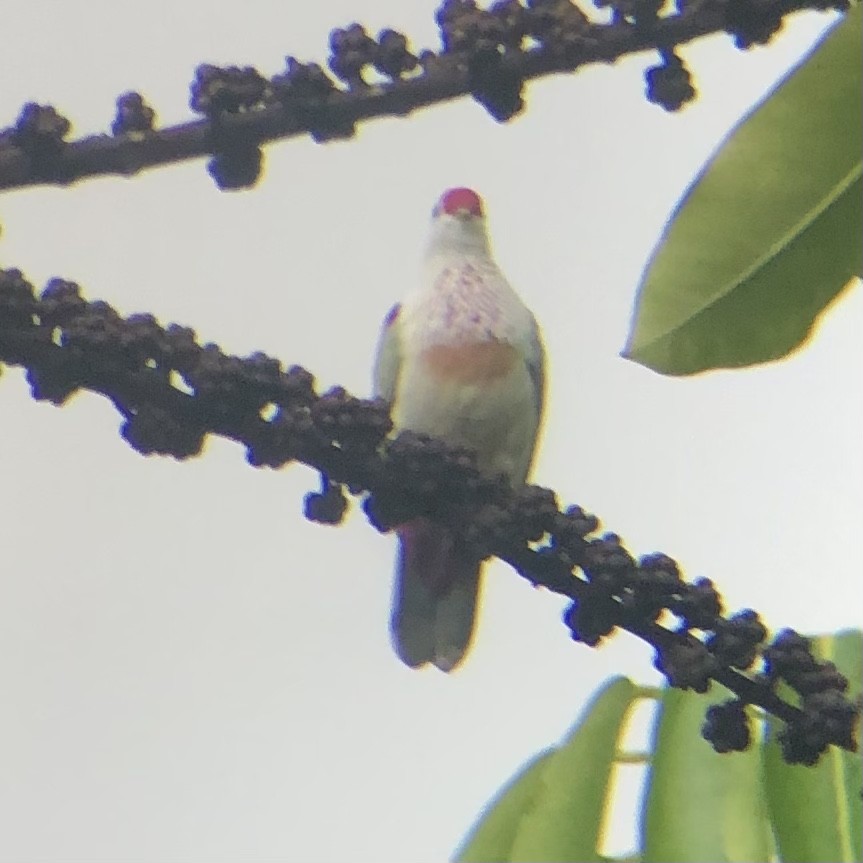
x,y
193,672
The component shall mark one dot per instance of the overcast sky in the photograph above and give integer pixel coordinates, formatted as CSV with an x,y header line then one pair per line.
x,y
193,672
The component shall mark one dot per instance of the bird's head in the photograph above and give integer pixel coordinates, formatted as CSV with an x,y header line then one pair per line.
x,y
458,223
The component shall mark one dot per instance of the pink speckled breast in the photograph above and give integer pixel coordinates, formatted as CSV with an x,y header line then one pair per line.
x,y
466,305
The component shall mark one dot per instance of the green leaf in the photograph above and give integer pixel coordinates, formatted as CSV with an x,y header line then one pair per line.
x,y
493,837
816,810
769,233
700,805
553,809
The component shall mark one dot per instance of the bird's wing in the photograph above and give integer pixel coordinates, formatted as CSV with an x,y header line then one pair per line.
x,y
535,359
388,359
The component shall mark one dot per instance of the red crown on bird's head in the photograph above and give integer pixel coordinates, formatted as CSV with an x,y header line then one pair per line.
x,y
460,201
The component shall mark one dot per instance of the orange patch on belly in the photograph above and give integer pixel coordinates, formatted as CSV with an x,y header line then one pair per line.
x,y
474,362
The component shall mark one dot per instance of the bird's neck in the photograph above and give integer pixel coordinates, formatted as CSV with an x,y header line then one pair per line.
x,y
453,237
462,298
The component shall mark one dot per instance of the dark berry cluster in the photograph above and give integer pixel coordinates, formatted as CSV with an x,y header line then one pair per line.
x,y
17,299
172,392
236,166
359,425
485,38
535,511
217,90
642,13
621,591
307,93
133,115
393,58
824,716
560,26
301,81
669,84
698,606
827,716
39,128
488,52
433,468
222,382
640,591
497,88
568,537
39,135
467,28
686,664
153,431
170,389
286,431
352,49
327,506
753,22
592,617
735,640
425,476
726,726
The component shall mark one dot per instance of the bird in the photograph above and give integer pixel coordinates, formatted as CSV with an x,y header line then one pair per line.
x,y
460,359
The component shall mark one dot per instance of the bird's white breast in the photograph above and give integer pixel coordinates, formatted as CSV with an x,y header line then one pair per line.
x,y
464,376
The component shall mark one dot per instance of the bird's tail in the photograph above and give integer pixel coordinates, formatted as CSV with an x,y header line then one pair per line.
x,y
435,598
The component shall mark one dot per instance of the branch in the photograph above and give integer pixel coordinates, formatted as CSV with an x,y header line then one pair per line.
x,y
488,54
173,392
